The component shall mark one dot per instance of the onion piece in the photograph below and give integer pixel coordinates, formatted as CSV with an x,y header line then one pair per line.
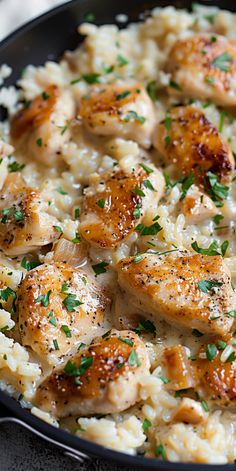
x,y
66,251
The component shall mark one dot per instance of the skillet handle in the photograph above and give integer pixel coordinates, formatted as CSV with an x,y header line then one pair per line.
x,y
68,451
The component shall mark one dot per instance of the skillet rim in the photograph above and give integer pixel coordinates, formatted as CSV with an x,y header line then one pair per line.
x,y
59,434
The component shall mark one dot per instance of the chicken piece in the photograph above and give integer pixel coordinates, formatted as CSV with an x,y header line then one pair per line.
x,y
189,140
178,368
43,125
216,370
124,111
190,412
116,202
204,67
197,207
24,222
190,290
102,379
58,306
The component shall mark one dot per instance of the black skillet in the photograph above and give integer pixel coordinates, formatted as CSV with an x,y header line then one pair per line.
x,y
45,38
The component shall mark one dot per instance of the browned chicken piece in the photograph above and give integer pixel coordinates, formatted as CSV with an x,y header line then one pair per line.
x,y
203,66
24,222
42,126
190,412
189,140
116,202
197,207
58,306
178,367
101,379
190,290
216,370
124,111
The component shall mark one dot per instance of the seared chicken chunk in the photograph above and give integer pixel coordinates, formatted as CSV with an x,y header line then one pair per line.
x,y
190,412
197,207
189,140
124,111
178,368
117,201
58,305
204,67
43,125
216,369
190,290
101,379
24,222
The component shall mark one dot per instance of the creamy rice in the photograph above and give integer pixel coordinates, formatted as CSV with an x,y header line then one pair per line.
x,y
145,46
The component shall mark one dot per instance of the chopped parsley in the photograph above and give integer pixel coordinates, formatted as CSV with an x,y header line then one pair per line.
x,y
133,116
127,341
211,351
6,293
160,451
88,78
221,344
58,229
18,215
145,326
121,60
29,265
90,17
39,142
138,191
45,96
64,287
66,330
187,182
208,285
15,167
137,258
213,248
217,219
204,405
100,268
77,238
223,61
63,129
147,184
70,302
164,379
81,345
77,213
146,424
210,80
72,369
231,357
55,343
217,191
232,313
121,96
52,319
60,190
175,85
133,359
147,169
148,230
44,299
101,203
152,90
137,212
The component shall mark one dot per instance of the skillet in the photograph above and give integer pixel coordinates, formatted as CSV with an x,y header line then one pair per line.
x,y
46,38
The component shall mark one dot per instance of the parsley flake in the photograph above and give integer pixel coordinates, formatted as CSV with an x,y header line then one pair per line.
x,y
44,299
100,268
70,302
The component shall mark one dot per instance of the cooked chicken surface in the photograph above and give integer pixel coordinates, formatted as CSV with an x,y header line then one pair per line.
x,y
42,125
113,110
216,369
204,67
179,369
190,412
190,141
117,201
102,378
59,306
24,222
197,207
190,290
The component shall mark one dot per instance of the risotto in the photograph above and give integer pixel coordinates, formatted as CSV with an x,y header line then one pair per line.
x,y
117,236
